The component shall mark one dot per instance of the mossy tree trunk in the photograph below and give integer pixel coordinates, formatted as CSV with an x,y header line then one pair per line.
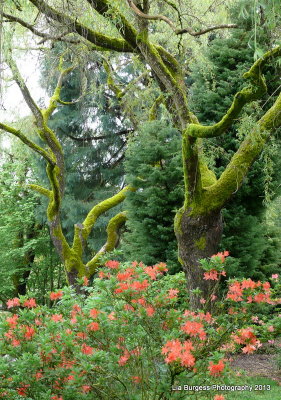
x,y
197,224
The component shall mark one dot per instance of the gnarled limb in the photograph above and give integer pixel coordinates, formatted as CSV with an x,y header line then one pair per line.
x,y
83,231
246,95
33,146
216,195
112,241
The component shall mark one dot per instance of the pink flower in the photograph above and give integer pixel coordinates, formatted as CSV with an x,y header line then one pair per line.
x,y
275,276
202,301
56,317
271,328
173,293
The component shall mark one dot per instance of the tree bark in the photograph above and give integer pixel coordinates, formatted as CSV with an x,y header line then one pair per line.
x,y
198,237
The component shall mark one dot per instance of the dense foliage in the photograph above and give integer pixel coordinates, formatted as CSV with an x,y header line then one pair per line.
x,y
132,336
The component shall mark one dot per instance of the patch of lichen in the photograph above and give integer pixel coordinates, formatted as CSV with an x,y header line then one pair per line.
x,y
201,243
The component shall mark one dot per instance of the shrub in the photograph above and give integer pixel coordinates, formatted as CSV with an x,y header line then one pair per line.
x,y
131,336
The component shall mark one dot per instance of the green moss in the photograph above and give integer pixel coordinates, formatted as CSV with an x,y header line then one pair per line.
x,y
201,243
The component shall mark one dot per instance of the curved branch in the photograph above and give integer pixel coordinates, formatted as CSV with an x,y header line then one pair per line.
x,y
191,32
41,190
113,237
90,138
140,14
86,227
28,142
206,30
61,37
215,196
246,95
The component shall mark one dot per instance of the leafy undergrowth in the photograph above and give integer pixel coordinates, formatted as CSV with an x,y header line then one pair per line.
x,y
132,336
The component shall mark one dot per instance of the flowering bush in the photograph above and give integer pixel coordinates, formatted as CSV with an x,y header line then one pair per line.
x,y
131,336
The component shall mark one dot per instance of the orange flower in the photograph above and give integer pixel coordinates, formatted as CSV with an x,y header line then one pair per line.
x,y
194,328
85,281
221,255
30,303
112,264
149,311
219,397
136,379
93,326
87,349
94,313
13,302
12,321
211,275
216,369
56,295
173,293
29,332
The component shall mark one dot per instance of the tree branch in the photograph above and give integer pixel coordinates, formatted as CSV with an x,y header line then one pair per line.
x,y
41,190
90,138
215,196
87,225
206,30
112,230
191,32
246,95
24,90
29,143
45,36
96,38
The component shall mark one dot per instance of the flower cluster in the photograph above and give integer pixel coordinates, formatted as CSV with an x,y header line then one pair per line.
x,y
128,327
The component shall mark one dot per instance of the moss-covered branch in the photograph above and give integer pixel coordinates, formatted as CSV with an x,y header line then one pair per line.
x,y
112,241
41,190
153,110
246,95
96,38
82,231
29,143
215,196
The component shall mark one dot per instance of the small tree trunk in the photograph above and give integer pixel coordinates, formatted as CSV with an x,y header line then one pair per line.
x,y
198,237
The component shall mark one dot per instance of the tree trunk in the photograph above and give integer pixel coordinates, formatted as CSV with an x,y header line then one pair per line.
x,y
198,237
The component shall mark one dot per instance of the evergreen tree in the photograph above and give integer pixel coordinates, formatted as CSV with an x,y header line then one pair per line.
x,y
153,167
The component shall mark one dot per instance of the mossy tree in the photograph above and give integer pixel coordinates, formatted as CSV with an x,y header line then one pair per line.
x,y
51,150
198,224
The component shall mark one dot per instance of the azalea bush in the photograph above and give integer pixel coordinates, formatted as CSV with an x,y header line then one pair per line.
x,y
131,336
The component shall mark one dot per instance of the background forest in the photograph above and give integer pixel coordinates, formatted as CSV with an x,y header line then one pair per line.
x,y
142,161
